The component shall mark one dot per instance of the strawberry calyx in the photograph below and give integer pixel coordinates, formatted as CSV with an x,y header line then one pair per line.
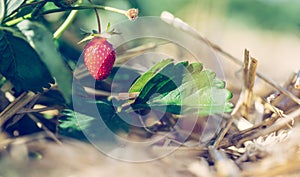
x,y
106,35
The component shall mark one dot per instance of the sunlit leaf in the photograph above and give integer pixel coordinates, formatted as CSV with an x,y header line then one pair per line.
x,y
141,81
184,88
167,79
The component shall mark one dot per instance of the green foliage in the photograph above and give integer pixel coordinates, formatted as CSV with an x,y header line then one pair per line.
x,y
20,63
12,5
161,78
73,124
141,81
113,120
41,40
181,88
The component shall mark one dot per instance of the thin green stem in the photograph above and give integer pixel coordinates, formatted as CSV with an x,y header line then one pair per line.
x,y
57,34
112,9
17,20
123,12
28,16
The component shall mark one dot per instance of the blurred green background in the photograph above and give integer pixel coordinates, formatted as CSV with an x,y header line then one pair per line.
x,y
277,15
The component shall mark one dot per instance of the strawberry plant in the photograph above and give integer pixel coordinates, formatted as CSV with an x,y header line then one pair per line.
x,y
30,61
145,90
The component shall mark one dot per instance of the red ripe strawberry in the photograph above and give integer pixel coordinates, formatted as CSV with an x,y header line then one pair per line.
x,y
99,57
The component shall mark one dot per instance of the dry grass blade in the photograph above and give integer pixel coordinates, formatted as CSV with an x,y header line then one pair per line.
x,y
15,106
244,103
249,86
259,131
297,83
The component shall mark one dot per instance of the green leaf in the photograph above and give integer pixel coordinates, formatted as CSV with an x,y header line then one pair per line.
x,y
2,10
141,81
107,27
41,40
184,88
167,79
20,12
205,101
201,93
70,122
21,65
111,118
12,5
73,124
